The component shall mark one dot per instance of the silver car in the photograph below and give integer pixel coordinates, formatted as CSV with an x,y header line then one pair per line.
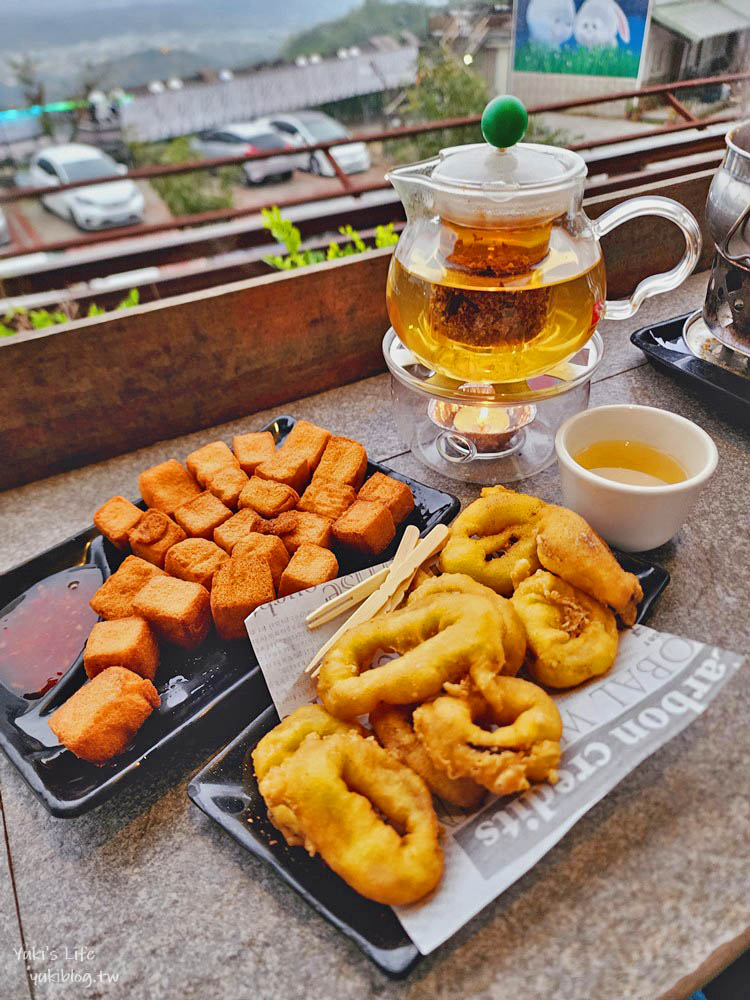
x,y
98,207
306,128
244,137
4,231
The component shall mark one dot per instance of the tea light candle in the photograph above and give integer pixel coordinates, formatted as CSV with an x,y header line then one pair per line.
x,y
489,428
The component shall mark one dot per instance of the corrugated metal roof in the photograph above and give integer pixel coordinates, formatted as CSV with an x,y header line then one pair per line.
x,y
281,88
696,20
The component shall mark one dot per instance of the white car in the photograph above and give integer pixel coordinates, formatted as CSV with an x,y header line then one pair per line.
x,y
245,137
4,231
98,207
306,128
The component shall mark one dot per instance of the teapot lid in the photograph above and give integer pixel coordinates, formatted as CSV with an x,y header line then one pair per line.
x,y
504,178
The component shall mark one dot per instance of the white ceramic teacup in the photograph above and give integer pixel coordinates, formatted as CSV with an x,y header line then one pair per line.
x,y
634,518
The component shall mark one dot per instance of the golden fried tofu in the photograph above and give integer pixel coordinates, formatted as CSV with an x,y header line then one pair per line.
x,y
115,518
327,498
114,599
392,493
309,566
177,610
252,449
308,441
167,486
366,527
201,516
227,484
268,547
297,526
195,559
154,534
239,526
289,468
239,588
268,498
205,461
125,642
103,716
343,461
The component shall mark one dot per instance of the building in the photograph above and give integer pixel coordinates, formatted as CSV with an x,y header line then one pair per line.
x,y
696,38
200,105
481,37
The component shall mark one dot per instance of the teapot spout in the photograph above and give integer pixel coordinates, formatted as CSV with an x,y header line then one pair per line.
x,y
414,187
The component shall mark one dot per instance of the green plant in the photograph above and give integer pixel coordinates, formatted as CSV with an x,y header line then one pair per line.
x,y
186,194
445,88
17,319
285,232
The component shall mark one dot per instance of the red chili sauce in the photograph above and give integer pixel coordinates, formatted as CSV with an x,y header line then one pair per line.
x,y
43,631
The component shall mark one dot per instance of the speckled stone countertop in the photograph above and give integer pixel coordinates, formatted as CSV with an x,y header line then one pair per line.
x,y
647,886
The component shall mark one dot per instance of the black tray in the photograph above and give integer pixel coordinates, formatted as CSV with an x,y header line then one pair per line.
x,y
226,791
191,684
663,344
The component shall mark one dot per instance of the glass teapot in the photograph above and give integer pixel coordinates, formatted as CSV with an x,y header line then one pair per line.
x,y
498,275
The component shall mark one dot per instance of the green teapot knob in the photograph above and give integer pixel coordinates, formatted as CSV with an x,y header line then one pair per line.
x,y
504,121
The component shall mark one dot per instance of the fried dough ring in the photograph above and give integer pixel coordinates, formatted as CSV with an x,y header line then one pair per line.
x,y
570,548
509,624
281,742
337,788
392,724
492,536
525,747
571,636
438,639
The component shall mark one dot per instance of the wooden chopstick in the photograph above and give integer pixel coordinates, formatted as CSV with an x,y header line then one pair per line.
x,y
403,570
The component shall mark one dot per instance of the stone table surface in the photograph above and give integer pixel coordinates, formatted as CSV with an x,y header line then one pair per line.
x,y
651,883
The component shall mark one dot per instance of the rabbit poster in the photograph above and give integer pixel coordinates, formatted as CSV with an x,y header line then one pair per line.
x,y
584,37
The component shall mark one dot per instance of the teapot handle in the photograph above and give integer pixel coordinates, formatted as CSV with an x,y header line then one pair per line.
x,y
665,208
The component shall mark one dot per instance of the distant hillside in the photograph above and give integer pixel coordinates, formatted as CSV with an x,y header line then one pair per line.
x,y
374,17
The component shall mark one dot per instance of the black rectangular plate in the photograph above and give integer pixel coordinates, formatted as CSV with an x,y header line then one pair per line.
x,y
192,684
663,344
226,791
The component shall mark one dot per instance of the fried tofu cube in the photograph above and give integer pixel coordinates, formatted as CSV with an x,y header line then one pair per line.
x,y
195,559
252,449
343,461
125,642
239,526
308,566
167,486
268,547
268,498
205,461
103,716
114,599
239,588
308,441
177,610
289,468
297,526
200,517
327,498
153,536
392,493
227,484
366,527
115,518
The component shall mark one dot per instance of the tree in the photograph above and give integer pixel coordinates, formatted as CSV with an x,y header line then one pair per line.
x,y
25,72
445,88
186,194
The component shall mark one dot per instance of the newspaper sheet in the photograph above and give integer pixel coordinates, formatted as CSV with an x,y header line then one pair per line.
x,y
657,686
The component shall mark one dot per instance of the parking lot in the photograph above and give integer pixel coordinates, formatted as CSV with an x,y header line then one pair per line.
x,y
30,223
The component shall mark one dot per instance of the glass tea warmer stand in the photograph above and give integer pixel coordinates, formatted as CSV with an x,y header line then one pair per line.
x,y
494,293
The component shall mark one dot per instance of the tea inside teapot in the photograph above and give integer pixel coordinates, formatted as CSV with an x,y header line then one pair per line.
x,y
494,305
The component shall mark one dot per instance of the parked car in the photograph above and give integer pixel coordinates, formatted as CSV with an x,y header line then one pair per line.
x,y
99,207
4,231
306,128
246,137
